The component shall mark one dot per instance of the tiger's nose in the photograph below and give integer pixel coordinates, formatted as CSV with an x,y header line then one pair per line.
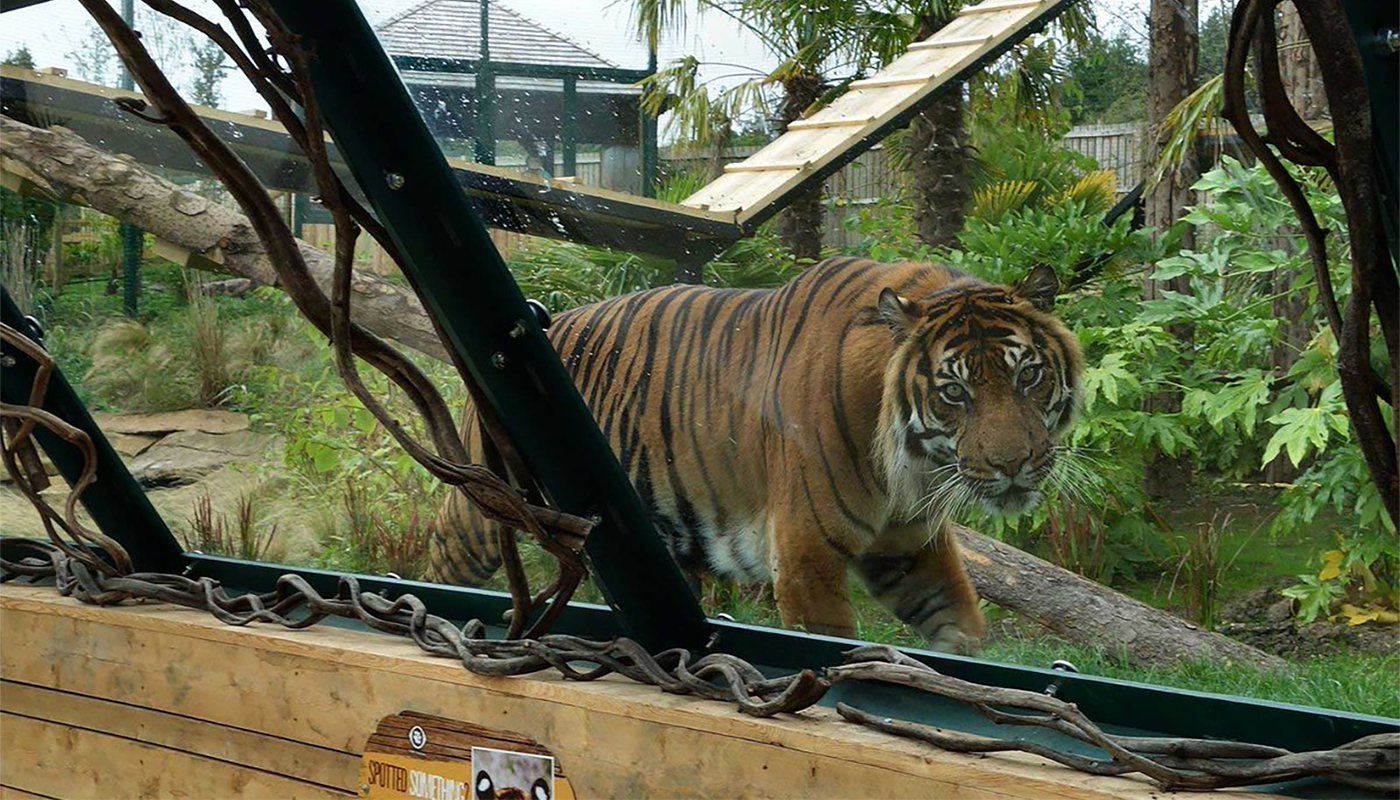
x,y
1008,464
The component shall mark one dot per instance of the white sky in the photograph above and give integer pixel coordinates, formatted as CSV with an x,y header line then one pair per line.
x,y
53,30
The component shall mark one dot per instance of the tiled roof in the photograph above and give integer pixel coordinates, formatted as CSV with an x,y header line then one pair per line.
x,y
452,29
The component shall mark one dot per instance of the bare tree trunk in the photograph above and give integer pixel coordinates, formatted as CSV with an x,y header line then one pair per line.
x,y
1088,613
1172,54
69,169
1302,77
800,224
936,142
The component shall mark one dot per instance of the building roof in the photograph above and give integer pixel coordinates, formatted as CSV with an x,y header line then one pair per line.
x,y
452,29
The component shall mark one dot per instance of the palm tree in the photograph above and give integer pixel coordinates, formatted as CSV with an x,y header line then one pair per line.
x,y
825,45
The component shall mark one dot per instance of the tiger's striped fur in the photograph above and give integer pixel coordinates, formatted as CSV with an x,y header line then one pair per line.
x,y
783,435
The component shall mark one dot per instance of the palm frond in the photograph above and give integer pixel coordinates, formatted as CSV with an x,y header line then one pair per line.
x,y
1096,191
996,200
1198,113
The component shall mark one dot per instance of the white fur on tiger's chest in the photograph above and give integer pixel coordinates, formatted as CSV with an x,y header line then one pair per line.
x,y
740,552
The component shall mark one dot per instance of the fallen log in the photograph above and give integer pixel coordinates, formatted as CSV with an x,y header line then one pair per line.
x,y
59,164
1086,612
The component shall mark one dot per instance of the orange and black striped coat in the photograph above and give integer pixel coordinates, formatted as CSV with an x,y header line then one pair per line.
x,y
785,435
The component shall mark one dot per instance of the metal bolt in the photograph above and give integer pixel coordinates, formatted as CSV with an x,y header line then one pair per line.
x,y
394,180
364,788
8,361
498,360
1390,39
519,329
595,519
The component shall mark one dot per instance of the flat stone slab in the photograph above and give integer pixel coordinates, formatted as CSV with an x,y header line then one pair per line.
x,y
130,445
161,423
186,456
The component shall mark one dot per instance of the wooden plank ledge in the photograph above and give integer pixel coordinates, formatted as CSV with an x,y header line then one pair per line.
x,y
149,699
744,166
817,123
881,83
994,7
935,43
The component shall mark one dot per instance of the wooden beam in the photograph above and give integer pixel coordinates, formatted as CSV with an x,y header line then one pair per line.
x,y
61,761
281,756
936,43
744,166
817,123
882,83
328,688
994,7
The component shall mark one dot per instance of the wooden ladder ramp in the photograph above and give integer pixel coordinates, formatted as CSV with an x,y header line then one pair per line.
x,y
851,124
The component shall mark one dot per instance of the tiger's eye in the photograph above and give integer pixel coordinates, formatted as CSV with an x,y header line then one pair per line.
x,y
953,393
1029,376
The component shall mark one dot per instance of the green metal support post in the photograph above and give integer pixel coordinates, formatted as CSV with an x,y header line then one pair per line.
x,y
650,156
131,237
453,265
569,125
485,118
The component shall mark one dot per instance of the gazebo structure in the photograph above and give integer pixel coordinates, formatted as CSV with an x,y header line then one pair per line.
x,y
478,70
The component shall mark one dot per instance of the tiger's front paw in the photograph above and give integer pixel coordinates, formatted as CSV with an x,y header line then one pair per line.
x,y
952,639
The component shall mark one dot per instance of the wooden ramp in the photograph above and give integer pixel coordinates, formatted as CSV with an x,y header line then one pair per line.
x,y
813,148
157,701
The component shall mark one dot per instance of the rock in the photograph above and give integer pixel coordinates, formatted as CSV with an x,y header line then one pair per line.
x,y
186,456
161,423
1282,611
130,445
233,287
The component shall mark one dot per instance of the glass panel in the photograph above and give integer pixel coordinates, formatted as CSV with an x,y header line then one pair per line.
x,y
757,422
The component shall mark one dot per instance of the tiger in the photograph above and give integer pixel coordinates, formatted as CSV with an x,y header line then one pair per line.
x,y
835,424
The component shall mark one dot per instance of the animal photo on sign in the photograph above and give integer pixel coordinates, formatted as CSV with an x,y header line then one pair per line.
x,y
506,775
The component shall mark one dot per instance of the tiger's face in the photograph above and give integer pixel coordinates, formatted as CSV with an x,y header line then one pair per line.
x,y
980,384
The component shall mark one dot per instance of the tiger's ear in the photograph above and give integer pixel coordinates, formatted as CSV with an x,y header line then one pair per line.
x,y
900,313
1039,287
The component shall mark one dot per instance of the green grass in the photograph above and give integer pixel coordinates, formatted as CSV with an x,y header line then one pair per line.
x,y
1357,682
1249,555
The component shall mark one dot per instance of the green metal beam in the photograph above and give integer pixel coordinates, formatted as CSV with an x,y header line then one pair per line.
x,y
484,116
569,125
647,126
466,287
468,66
